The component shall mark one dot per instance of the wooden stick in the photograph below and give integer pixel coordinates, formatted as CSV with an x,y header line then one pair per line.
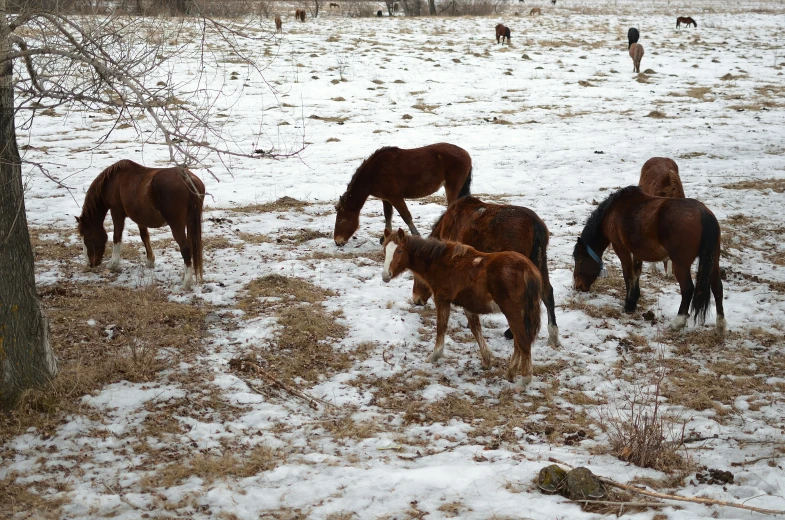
x,y
311,400
629,504
665,496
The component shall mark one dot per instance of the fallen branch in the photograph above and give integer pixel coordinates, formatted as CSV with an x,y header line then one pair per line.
x,y
259,371
665,496
123,499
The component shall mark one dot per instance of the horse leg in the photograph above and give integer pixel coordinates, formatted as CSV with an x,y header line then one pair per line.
x,y
118,221
442,318
403,211
476,328
521,359
550,304
630,282
684,277
148,249
178,232
716,290
388,214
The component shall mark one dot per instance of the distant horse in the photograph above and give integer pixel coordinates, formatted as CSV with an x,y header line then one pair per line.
x,y
278,24
302,15
395,7
642,228
632,36
299,14
535,10
481,283
492,228
502,32
685,20
394,174
636,53
553,2
333,4
151,197
379,13
660,178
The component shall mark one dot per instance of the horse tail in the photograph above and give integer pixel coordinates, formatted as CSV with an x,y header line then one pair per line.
x,y
708,250
531,305
194,229
466,188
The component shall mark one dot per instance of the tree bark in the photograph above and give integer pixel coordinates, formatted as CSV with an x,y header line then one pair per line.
x,y
26,357
432,7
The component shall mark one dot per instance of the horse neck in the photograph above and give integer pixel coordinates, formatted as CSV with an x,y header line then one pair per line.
x,y
96,205
421,261
359,189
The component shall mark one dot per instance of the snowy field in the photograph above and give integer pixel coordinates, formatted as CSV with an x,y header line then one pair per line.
x,y
555,121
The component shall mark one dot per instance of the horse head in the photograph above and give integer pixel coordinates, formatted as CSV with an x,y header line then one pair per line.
x,y
346,221
396,257
588,266
94,239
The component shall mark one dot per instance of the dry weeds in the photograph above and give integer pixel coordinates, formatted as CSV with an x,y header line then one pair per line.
x,y
283,205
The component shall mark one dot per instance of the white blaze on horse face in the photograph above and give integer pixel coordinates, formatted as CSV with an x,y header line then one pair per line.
x,y
389,252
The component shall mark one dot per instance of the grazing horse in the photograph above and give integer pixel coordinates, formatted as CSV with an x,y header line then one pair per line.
x,y
379,13
502,32
642,228
535,10
396,7
553,2
151,197
632,36
687,20
481,283
636,53
492,228
660,178
278,24
394,174
333,4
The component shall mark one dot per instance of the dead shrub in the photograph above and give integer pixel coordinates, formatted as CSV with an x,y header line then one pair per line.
x,y
283,205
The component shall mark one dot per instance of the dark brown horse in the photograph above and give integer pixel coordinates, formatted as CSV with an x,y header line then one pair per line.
x,y
502,32
687,20
394,174
642,228
492,228
278,24
151,197
660,177
481,283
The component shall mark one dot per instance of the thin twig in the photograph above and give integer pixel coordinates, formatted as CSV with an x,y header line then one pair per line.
x,y
123,499
311,400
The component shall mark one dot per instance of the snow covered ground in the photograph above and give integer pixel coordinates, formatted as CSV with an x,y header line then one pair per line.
x,y
554,122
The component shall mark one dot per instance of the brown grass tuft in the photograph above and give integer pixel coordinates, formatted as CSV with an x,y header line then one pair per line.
x,y
284,204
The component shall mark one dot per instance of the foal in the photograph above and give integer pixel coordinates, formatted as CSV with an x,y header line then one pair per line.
x,y
481,283
636,53
535,10
502,32
278,24
660,178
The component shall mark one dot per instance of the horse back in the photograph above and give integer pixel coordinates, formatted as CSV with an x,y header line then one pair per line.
x,y
416,172
660,177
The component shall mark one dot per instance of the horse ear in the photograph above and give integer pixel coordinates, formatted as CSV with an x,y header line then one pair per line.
x,y
387,233
581,244
78,219
400,234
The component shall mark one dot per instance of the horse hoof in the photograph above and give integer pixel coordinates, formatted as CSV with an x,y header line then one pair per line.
x,y
434,357
553,336
722,325
150,264
678,323
508,334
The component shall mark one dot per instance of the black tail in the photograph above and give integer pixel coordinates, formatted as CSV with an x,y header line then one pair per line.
x,y
465,189
194,228
539,243
707,251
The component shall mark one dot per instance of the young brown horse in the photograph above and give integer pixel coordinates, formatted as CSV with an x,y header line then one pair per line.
x,y
660,178
492,228
278,24
481,283
502,32
151,197
642,228
685,20
535,10
636,53
394,174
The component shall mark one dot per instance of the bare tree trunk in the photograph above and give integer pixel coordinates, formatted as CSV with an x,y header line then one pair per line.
x,y
316,8
432,7
26,358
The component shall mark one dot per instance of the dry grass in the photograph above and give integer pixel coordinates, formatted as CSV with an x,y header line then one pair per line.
x,y
283,205
656,114
302,347
775,185
17,501
208,468
134,334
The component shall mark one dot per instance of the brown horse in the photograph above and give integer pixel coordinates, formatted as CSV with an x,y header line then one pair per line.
x,y
642,228
687,20
333,4
535,10
302,15
151,197
394,174
278,24
660,178
481,283
502,32
636,53
492,228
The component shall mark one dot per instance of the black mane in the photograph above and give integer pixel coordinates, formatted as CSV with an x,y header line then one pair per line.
x,y
593,228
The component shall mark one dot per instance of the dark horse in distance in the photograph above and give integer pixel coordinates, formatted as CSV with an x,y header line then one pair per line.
x,y
642,228
151,197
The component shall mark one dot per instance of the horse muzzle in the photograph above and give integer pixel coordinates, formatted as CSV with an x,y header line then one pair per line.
x,y
386,276
340,242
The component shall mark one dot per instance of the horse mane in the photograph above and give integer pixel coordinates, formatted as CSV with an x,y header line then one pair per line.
x,y
363,165
92,202
430,249
593,228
